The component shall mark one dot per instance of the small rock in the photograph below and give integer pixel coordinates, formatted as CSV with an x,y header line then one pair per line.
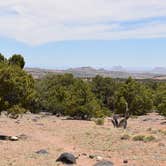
x,y
146,119
42,151
125,137
104,163
84,154
18,122
13,138
161,144
67,158
163,123
34,120
91,156
149,129
99,158
125,161
40,124
45,114
4,137
28,113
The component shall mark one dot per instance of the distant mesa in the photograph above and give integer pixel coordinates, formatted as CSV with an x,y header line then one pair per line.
x,y
90,72
118,68
159,70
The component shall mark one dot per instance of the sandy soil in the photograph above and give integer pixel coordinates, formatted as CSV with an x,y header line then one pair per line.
x,y
82,137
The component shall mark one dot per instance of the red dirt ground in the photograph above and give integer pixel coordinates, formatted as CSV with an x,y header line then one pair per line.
x,y
57,136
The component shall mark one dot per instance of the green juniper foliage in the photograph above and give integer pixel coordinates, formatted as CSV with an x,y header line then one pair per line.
x,y
17,89
66,95
17,60
82,99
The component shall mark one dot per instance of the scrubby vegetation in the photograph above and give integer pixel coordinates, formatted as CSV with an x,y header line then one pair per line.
x,y
17,91
99,121
76,97
66,95
144,138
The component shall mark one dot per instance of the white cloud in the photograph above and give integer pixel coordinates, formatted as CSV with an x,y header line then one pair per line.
x,y
41,21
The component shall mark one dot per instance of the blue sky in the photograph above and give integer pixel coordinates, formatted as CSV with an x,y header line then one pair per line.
x,y
74,33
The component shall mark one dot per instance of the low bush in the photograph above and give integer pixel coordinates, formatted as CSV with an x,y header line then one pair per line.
x,y
15,111
138,138
99,121
149,138
162,108
144,138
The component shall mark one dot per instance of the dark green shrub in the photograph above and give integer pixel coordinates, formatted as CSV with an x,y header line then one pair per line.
x,y
162,108
138,97
17,88
99,121
139,138
15,111
17,60
144,138
66,95
149,138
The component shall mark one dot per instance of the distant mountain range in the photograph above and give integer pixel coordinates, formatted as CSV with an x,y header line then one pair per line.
x,y
159,70
115,72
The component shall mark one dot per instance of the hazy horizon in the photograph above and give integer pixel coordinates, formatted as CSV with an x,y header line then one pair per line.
x,y
109,68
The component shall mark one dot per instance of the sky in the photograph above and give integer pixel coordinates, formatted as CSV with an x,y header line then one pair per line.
x,y
73,33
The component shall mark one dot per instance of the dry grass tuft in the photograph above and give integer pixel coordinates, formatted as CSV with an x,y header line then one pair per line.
x,y
144,138
99,121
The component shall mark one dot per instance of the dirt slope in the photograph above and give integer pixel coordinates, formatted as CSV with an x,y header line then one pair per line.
x,y
56,136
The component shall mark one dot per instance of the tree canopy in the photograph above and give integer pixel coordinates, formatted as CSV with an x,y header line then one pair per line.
x,y
2,58
66,95
17,60
17,91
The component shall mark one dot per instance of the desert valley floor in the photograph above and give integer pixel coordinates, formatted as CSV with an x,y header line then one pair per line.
x,y
84,138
